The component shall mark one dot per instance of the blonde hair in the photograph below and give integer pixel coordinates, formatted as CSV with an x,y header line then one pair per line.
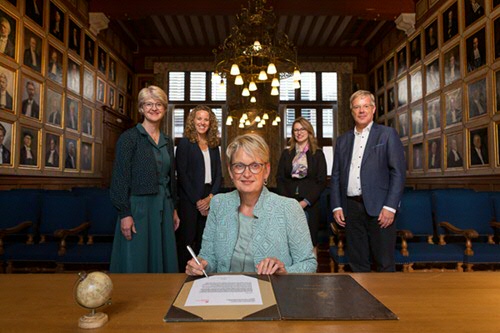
x,y
213,131
151,92
313,144
252,144
362,93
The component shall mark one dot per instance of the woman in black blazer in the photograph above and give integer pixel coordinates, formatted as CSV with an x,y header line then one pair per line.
x,y
302,172
198,177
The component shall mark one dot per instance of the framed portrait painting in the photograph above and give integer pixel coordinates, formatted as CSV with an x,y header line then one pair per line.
x,y
111,97
416,85
497,90
54,64
8,25
434,154
431,38
417,120
415,51
453,103
474,10
34,10
74,37
432,76
450,22
71,114
454,151
6,143
53,107
402,64
87,120
101,60
32,54
7,84
112,70
70,154
452,65
86,157
31,94
496,31
403,124
476,50
391,99
478,147
434,114
101,90
56,22
497,146
380,77
402,92
389,65
89,49
73,76
28,147
380,105
88,84
476,95
52,158
418,156
121,103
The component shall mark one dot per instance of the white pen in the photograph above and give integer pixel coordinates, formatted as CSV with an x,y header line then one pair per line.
x,y
195,259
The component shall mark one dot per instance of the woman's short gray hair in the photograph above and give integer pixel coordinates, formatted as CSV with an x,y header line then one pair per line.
x,y
153,92
252,144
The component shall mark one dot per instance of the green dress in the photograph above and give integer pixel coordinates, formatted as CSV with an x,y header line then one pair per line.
x,y
153,248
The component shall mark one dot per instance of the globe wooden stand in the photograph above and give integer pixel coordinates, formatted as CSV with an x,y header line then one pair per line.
x,y
93,320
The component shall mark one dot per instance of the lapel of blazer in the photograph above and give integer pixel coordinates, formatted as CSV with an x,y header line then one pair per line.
x,y
372,139
348,149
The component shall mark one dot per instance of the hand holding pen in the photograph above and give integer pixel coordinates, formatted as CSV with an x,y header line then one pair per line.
x,y
194,266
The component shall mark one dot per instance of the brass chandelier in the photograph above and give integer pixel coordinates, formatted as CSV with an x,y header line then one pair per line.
x,y
256,56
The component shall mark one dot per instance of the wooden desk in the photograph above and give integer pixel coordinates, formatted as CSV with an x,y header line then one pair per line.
x,y
424,302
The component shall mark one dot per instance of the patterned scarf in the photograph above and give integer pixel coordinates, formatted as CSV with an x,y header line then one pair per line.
x,y
299,163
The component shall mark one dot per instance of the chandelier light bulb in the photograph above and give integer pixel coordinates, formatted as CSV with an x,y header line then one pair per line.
x,y
253,99
275,91
296,75
278,119
257,46
242,120
260,125
252,86
238,80
215,77
296,84
263,121
275,82
257,119
247,122
241,125
229,121
262,75
245,92
244,116
271,69
235,70
275,123
265,116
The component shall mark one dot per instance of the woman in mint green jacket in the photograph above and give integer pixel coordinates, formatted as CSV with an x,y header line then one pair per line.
x,y
252,229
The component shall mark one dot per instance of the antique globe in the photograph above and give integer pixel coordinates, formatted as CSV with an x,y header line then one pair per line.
x,y
92,291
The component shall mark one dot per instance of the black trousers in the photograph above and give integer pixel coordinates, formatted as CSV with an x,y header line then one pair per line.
x,y
366,241
190,230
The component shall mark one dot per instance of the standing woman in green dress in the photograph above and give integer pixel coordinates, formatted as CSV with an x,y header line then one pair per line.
x,y
143,191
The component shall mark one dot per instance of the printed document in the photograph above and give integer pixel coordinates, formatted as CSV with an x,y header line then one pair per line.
x,y
225,290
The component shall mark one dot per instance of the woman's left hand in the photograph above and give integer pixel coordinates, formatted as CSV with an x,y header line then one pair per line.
x,y
269,266
177,220
303,204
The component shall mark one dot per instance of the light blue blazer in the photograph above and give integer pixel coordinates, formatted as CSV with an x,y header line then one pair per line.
x,y
280,230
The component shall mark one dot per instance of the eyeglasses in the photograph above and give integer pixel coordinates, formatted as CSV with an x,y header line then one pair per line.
x,y
365,107
239,168
149,105
297,130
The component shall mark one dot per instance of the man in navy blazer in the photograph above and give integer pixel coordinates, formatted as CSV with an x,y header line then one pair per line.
x,y
367,183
